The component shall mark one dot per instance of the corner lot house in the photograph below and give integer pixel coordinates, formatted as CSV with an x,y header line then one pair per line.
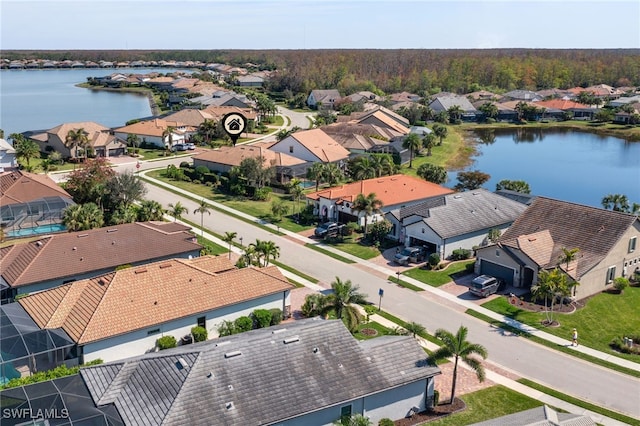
x,y
454,221
395,192
99,138
58,259
31,204
607,242
123,313
309,372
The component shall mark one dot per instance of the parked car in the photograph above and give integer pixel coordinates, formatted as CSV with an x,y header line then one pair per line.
x,y
328,229
190,146
179,147
410,255
485,285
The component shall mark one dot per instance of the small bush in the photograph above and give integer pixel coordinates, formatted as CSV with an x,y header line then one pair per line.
x,y
227,328
261,318
166,342
196,181
243,324
262,194
620,283
199,334
276,316
185,165
436,397
460,254
434,259
618,344
386,422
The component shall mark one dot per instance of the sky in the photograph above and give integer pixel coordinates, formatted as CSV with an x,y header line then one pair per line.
x,y
318,24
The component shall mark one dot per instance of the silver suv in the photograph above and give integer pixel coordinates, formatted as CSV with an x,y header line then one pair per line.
x,y
484,285
410,255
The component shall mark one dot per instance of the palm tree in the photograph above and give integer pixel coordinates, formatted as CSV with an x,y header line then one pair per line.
x,y
441,131
228,238
455,112
415,328
616,202
278,209
429,141
150,210
368,205
208,130
75,139
123,190
89,216
25,148
458,347
550,285
432,173
124,214
134,142
568,256
361,168
316,174
271,251
296,194
341,301
413,143
332,173
202,209
177,210
167,137
71,217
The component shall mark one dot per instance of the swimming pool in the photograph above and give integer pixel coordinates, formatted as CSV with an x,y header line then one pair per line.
x,y
42,229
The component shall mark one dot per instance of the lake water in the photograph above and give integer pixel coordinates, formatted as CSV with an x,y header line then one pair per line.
x,y
43,99
574,166
567,165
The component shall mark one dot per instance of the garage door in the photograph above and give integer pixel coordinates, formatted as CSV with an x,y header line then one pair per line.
x,y
498,271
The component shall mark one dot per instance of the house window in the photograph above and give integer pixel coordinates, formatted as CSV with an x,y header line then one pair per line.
x,y
611,274
202,322
291,148
154,331
632,244
345,411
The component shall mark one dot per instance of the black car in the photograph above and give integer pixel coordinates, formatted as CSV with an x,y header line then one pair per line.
x,y
327,229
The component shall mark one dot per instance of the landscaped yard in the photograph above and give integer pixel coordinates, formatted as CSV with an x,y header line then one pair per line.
x,y
352,246
604,317
438,278
371,330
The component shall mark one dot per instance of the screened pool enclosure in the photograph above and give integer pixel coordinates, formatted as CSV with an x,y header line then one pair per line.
x,y
43,215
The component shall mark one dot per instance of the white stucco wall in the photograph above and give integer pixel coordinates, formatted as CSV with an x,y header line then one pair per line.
x,y
139,342
299,150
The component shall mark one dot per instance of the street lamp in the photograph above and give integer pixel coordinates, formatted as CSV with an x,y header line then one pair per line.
x,y
398,274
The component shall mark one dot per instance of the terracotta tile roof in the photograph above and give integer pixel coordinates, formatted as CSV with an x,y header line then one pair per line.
x,y
148,295
233,156
592,230
391,190
561,104
90,127
76,253
321,145
153,127
21,187
386,120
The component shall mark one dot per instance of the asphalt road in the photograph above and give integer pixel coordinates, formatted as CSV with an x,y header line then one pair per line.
x,y
567,374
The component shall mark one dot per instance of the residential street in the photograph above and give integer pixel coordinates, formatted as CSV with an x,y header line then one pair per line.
x,y
567,374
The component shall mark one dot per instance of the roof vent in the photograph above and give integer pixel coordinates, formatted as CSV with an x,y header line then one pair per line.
x,y
140,271
229,405
457,196
291,339
101,281
74,248
230,387
83,235
112,230
223,343
39,243
210,375
181,364
232,354
316,350
282,330
165,265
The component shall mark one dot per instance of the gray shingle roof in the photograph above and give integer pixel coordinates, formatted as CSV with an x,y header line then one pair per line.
x,y
465,212
539,416
276,373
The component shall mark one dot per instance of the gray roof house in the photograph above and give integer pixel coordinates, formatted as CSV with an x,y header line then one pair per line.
x,y
521,95
607,243
309,372
324,97
443,103
454,221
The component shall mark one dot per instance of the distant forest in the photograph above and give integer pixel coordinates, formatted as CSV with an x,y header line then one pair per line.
x,y
421,71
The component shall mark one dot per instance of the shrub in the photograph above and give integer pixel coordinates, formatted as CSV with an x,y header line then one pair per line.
x,y
42,376
243,323
436,397
201,171
460,254
434,259
166,342
276,316
261,318
618,344
352,227
386,422
185,165
199,334
227,328
620,283
262,194
196,181
469,267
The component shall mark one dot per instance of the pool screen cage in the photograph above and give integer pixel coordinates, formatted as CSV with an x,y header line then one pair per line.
x,y
38,212
26,349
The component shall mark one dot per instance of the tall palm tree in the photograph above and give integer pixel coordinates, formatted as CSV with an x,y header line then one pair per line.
x,y
368,205
361,168
415,328
568,256
550,285
150,210
296,194
455,112
316,174
332,173
167,136
441,131
616,202
208,130
458,347
202,209
413,143
25,148
228,238
177,210
271,251
76,139
429,141
133,141
341,301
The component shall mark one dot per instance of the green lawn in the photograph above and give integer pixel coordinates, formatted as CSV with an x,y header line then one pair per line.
x,y
211,247
404,284
487,404
438,278
382,330
604,317
352,246
329,253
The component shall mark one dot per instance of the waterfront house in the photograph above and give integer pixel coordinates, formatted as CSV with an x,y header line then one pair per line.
x,y
158,132
312,146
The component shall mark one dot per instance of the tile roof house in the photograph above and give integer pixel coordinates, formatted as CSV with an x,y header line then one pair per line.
x,y
100,139
224,158
607,242
403,97
557,108
454,221
8,159
30,203
153,132
123,313
521,95
395,192
57,259
444,103
323,98
360,138
312,145
189,116
310,372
